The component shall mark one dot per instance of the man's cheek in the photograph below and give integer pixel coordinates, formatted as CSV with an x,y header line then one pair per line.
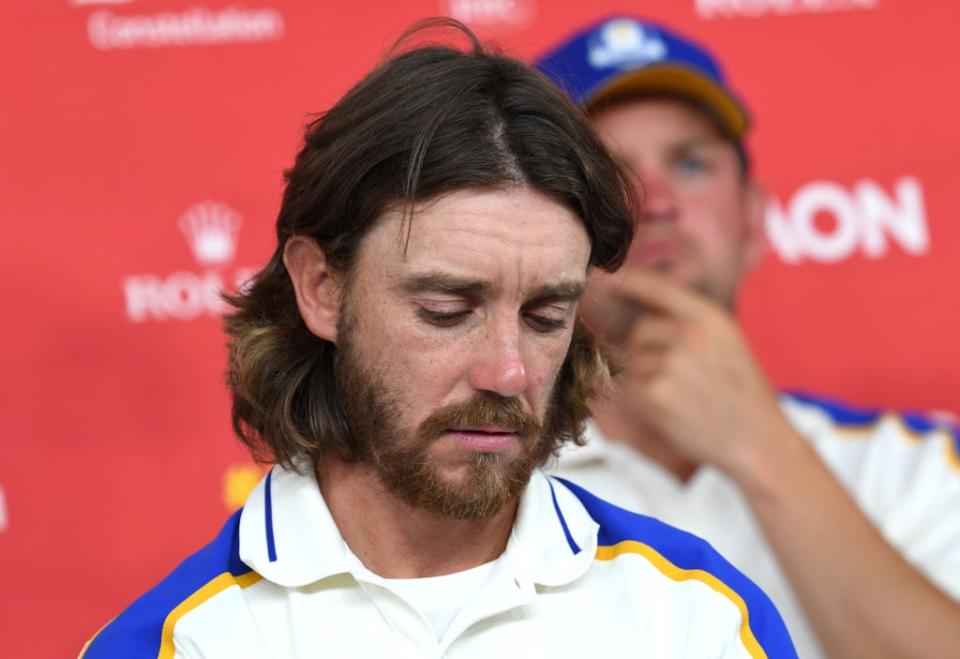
x,y
542,384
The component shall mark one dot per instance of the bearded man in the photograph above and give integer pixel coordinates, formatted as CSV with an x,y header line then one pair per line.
x,y
409,357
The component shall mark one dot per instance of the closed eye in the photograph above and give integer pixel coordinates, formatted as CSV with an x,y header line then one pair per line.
x,y
545,324
442,318
547,316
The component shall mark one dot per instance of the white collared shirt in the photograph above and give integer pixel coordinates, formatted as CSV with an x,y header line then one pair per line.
x,y
578,578
903,471
439,599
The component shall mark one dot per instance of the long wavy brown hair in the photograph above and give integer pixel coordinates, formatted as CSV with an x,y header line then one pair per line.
x,y
428,121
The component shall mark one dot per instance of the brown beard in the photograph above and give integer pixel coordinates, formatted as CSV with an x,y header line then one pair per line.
x,y
400,457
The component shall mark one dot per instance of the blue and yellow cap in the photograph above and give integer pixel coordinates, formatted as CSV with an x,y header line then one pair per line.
x,y
624,55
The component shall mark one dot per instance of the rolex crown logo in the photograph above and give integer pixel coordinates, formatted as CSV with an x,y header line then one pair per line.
x,y
212,229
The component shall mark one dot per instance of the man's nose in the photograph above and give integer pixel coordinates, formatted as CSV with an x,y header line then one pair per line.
x,y
498,366
658,198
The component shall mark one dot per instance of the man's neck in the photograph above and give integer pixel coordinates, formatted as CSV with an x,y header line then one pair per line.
x,y
397,541
615,426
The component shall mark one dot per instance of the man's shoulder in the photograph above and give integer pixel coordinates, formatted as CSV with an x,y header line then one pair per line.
x,y
623,531
619,525
145,628
684,558
835,426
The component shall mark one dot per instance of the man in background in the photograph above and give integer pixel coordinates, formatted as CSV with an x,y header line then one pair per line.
x,y
848,519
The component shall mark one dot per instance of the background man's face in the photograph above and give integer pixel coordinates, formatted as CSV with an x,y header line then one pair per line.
x,y
700,219
450,344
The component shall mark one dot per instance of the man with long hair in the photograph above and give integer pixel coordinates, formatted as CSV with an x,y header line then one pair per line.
x,y
409,357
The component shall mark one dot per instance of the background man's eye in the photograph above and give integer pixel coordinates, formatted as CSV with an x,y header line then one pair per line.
x,y
691,164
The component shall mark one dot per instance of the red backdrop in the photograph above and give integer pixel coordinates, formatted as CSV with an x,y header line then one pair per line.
x,y
143,146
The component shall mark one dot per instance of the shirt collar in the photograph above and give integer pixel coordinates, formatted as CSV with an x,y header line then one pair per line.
x,y
288,535
554,539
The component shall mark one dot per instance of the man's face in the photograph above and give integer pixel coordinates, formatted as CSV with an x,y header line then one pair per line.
x,y
450,342
700,220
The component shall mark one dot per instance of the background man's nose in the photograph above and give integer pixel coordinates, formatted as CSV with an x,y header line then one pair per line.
x,y
659,201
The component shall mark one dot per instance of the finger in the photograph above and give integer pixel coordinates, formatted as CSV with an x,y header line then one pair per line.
x,y
646,364
609,316
640,392
662,293
650,331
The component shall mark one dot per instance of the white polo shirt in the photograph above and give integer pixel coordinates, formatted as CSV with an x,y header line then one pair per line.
x,y
579,578
902,470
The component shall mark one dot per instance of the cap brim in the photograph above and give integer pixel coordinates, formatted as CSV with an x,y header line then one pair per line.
x,y
680,80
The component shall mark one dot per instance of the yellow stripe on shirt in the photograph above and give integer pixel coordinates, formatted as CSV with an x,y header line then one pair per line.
x,y
216,585
953,451
906,434
750,642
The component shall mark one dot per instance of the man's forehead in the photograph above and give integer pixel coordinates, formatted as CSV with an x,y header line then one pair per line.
x,y
515,216
656,143
510,238
666,119
441,281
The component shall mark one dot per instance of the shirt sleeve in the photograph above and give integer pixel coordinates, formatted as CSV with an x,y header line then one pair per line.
x,y
904,472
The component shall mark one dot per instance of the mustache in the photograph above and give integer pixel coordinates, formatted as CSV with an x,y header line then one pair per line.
x,y
484,409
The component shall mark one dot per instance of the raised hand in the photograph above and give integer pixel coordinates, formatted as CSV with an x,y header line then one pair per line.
x,y
689,376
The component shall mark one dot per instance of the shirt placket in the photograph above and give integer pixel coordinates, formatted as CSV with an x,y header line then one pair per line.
x,y
411,631
502,592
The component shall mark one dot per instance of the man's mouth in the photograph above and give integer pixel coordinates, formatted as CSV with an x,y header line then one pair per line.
x,y
486,439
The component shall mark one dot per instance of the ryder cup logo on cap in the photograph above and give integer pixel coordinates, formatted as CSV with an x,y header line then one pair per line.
x,y
211,229
624,42
623,55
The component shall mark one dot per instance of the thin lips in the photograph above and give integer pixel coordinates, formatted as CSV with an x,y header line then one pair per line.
x,y
489,430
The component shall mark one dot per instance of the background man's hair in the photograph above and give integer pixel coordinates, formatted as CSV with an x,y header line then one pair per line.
x,y
425,122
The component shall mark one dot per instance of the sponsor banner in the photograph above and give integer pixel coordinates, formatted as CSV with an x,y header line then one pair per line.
x,y
710,9
211,230
490,13
826,222
111,29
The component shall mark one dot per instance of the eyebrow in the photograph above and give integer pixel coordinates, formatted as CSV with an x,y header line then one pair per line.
x,y
443,282
568,291
697,142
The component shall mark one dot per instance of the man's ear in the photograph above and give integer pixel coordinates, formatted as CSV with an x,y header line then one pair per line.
x,y
316,284
755,232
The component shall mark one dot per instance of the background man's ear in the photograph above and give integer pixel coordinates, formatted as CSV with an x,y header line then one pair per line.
x,y
317,286
755,238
